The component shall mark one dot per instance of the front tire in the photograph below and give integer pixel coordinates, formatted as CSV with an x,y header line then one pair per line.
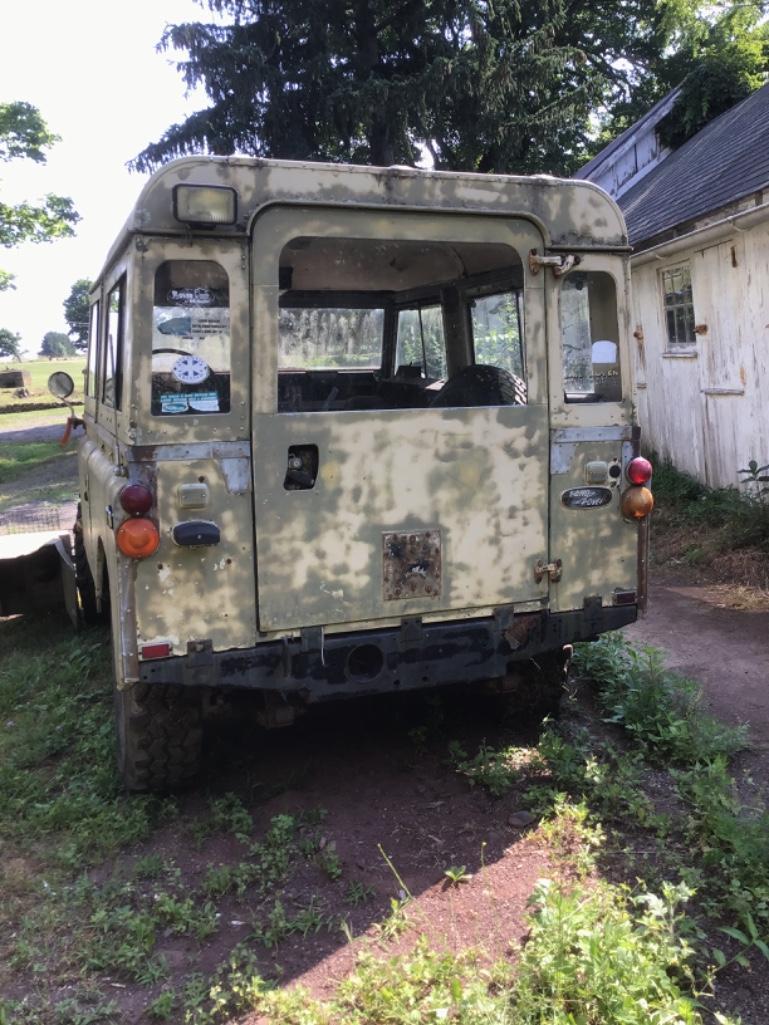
x,y
86,589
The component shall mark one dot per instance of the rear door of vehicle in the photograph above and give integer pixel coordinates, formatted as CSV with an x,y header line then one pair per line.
x,y
437,510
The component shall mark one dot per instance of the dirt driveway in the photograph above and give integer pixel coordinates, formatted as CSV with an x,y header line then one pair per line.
x,y
725,649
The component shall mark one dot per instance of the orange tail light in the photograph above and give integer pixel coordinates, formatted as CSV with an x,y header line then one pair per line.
x,y
137,537
637,503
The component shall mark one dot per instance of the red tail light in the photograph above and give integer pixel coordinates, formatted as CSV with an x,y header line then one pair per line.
x,y
136,499
639,470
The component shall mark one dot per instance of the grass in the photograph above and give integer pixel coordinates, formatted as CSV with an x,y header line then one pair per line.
x,y
695,524
19,458
40,370
79,911
42,418
59,796
65,490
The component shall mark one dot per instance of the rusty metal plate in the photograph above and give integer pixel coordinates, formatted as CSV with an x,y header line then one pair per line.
x,y
411,565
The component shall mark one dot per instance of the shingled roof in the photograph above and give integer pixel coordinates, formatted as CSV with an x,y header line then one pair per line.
x,y
589,170
727,160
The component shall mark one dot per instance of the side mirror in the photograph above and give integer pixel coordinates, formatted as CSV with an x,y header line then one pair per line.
x,y
61,385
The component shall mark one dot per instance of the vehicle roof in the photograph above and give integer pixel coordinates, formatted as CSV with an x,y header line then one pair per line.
x,y
573,214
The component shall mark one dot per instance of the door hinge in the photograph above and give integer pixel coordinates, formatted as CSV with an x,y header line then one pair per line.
x,y
550,569
561,264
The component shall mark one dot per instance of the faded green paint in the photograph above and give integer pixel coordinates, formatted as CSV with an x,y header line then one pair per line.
x,y
480,476
597,546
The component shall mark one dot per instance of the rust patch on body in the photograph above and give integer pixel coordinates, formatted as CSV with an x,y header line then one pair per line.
x,y
411,565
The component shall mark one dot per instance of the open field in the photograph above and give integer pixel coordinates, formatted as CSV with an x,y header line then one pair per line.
x,y
40,370
34,418
378,862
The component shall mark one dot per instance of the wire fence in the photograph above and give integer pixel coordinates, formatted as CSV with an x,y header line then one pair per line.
x,y
22,520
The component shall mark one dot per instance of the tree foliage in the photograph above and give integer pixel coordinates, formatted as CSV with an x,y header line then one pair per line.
x,y
56,343
508,86
718,53
76,312
25,135
10,344
727,60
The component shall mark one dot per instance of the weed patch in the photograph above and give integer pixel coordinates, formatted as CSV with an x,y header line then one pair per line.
x,y
698,526
658,708
602,955
728,843
58,787
423,986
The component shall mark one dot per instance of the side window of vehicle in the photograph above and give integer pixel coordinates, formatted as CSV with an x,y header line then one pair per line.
x,y
93,350
421,342
112,366
590,337
496,321
190,339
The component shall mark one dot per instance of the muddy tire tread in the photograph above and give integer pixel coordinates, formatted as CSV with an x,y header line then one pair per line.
x,y
86,588
159,737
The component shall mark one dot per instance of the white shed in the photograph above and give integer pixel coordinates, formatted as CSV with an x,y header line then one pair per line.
x,y
698,221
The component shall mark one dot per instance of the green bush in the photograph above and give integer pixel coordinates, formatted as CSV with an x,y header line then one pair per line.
x,y
741,520
601,955
659,708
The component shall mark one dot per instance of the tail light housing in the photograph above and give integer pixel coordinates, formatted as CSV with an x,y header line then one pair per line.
x,y
639,470
637,503
137,537
136,499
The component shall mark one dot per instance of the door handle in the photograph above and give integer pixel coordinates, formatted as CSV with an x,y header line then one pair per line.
x,y
301,468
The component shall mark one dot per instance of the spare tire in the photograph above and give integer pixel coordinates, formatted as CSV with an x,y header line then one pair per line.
x,y
478,385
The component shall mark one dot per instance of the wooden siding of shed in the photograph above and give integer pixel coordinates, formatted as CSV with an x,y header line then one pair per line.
x,y
709,413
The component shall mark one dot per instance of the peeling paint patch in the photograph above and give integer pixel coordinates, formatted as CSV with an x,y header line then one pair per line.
x,y
237,474
412,564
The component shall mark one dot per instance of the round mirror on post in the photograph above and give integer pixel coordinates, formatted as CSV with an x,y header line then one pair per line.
x,y
61,385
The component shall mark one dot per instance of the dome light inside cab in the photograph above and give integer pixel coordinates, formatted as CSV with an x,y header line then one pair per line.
x,y
205,205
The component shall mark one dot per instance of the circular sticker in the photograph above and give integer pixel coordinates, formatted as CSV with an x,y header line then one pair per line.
x,y
190,370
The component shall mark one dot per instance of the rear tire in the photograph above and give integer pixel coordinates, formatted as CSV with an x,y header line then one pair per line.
x,y
534,688
159,736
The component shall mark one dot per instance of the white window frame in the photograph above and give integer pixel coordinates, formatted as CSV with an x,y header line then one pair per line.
x,y
686,344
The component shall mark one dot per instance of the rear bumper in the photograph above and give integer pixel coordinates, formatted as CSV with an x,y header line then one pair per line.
x,y
415,655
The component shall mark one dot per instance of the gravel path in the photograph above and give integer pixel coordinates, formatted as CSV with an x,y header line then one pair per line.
x,y
50,432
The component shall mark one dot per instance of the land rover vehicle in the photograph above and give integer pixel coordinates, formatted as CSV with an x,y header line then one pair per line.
x,y
353,430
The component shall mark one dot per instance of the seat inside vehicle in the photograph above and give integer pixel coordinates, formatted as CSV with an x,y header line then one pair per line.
x,y
367,324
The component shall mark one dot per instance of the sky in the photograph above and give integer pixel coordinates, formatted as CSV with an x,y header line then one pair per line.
x,y
91,69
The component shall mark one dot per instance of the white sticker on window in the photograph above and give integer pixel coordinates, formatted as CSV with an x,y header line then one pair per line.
x,y
191,339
